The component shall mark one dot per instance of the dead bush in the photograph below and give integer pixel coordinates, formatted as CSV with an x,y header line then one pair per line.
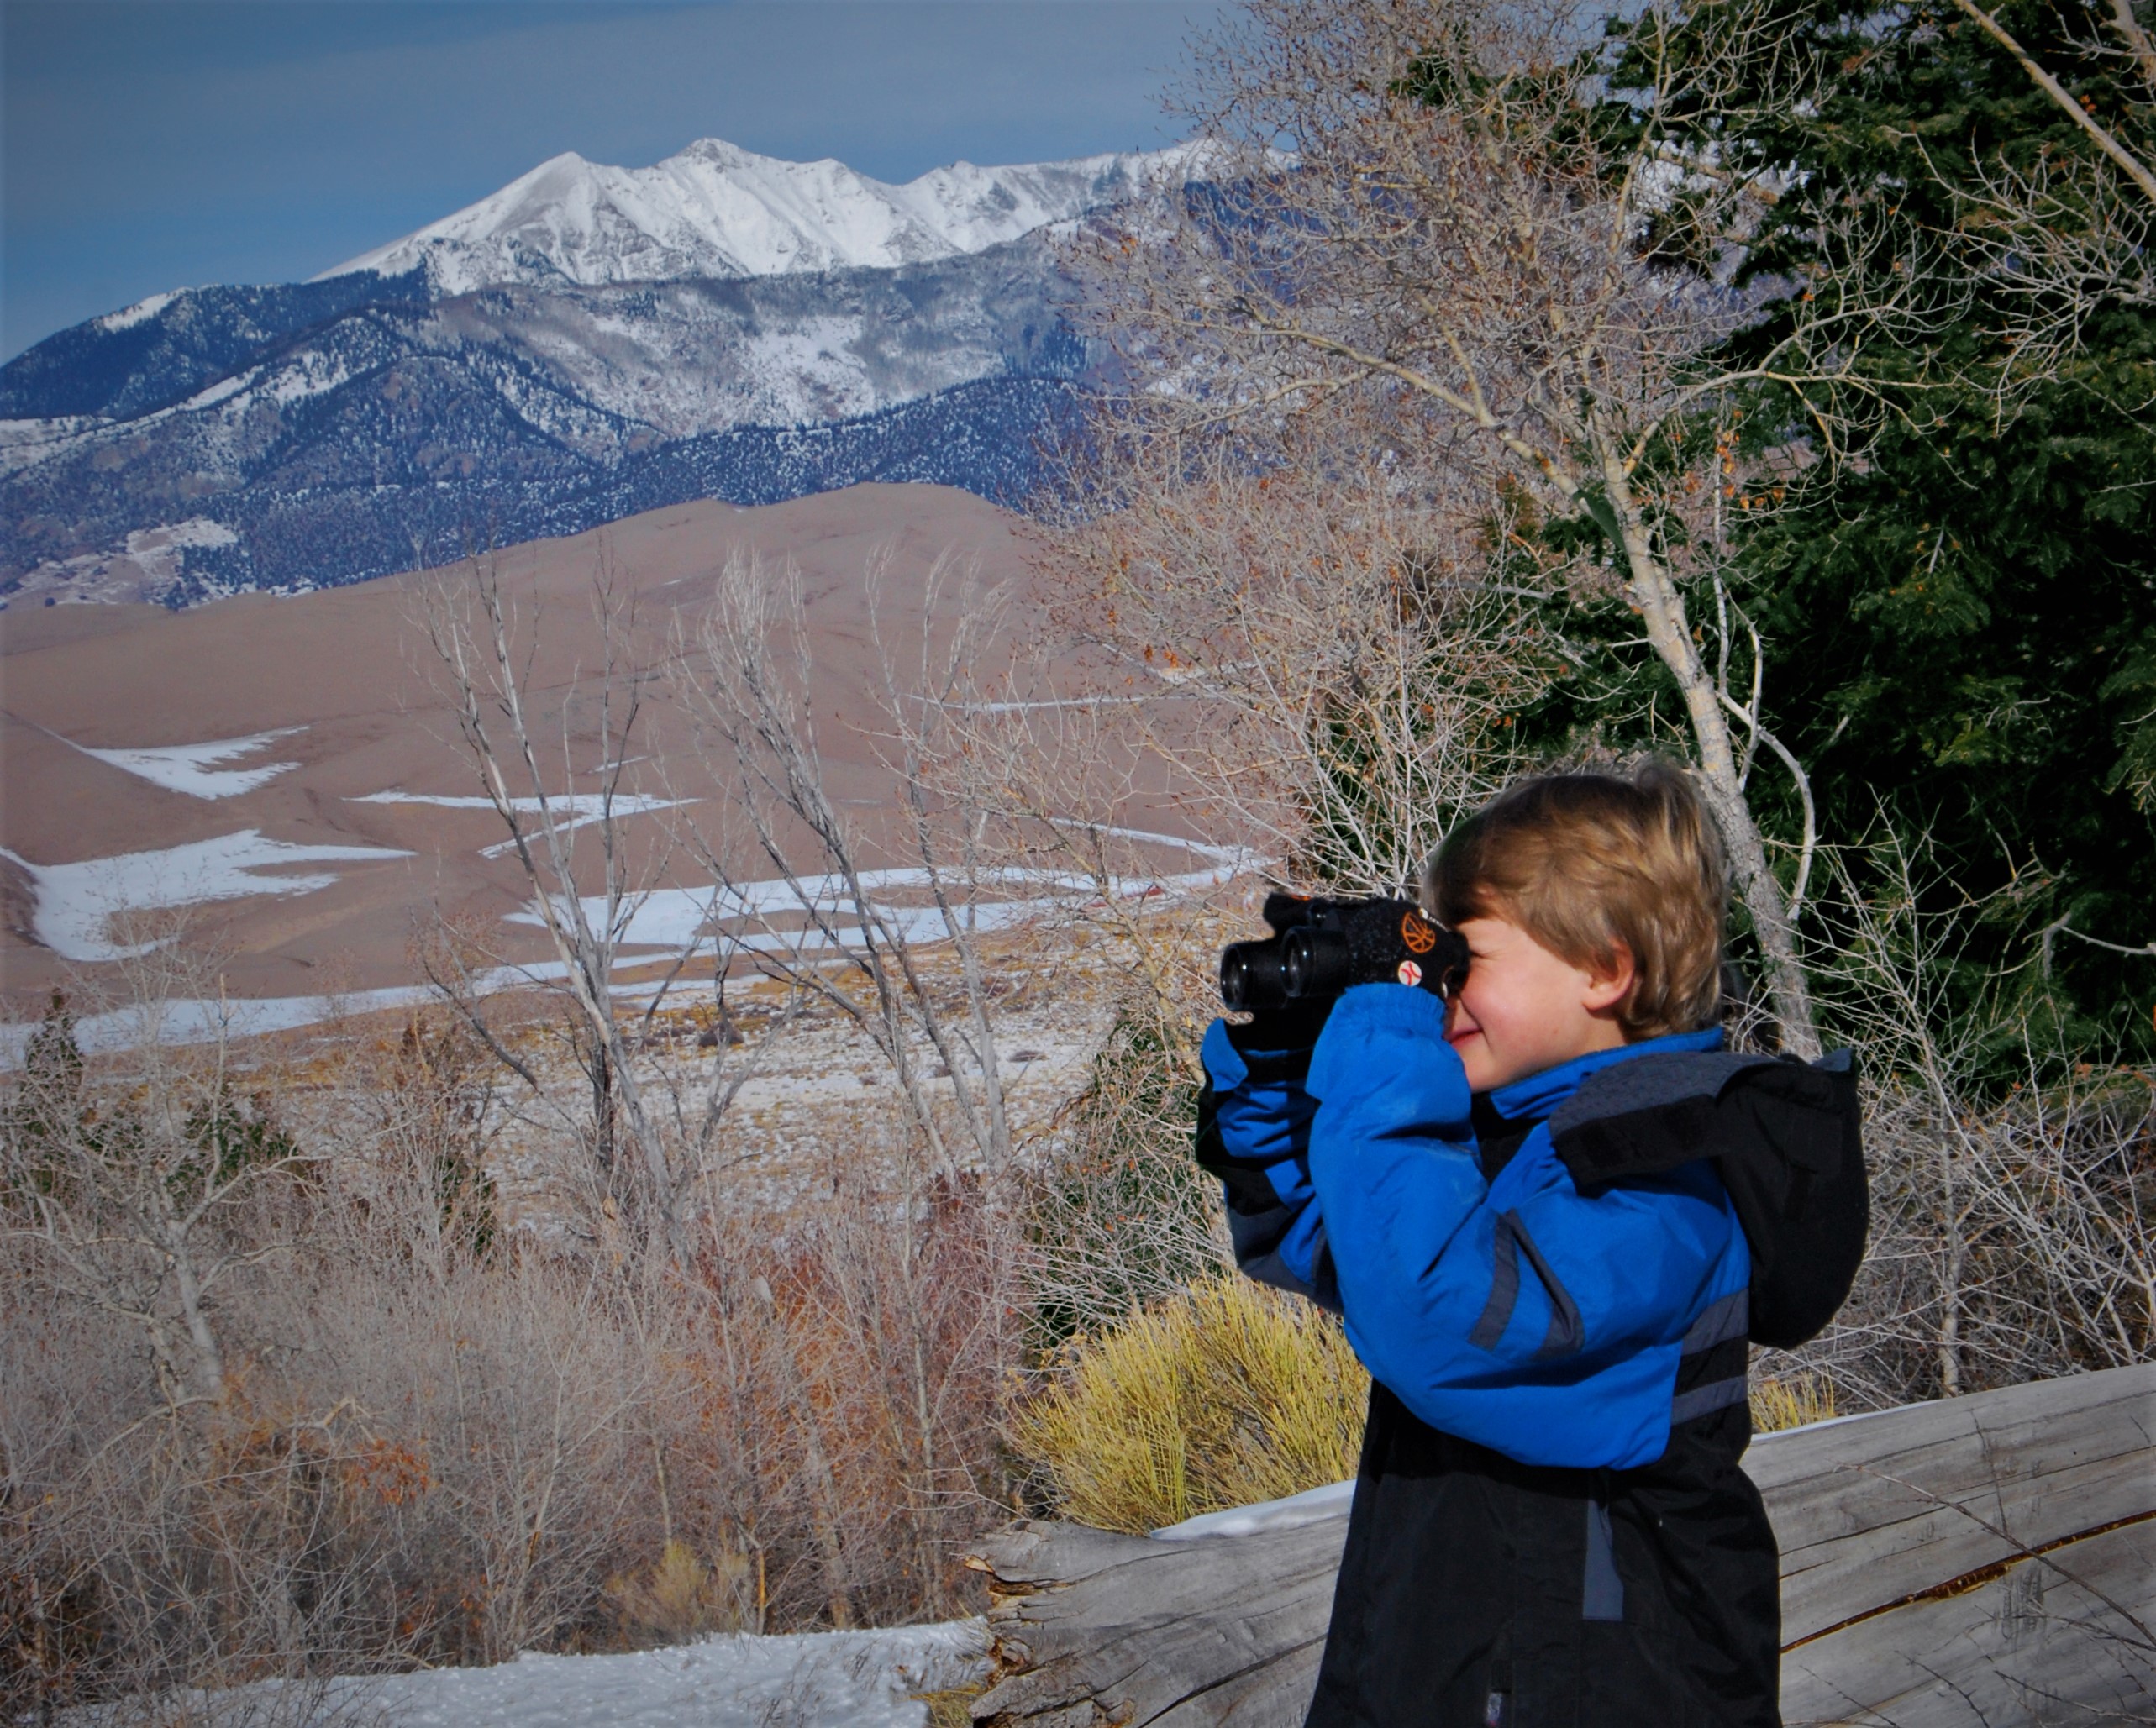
x,y
400,1424
1221,1396
2013,1219
1120,1215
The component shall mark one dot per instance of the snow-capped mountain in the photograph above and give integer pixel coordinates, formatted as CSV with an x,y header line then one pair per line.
x,y
586,344
718,210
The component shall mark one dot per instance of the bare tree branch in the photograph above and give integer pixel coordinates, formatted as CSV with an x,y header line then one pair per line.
x,y
2138,172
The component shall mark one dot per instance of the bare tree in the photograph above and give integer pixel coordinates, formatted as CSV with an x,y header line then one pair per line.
x,y
828,918
1432,208
897,949
2066,233
2014,1225
135,1207
143,1206
486,653
1311,653
2130,43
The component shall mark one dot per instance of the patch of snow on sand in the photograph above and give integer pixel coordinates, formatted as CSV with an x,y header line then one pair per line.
x,y
859,1679
202,1020
677,918
76,901
581,808
186,768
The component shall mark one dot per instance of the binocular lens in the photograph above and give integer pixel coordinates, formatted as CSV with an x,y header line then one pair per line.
x,y
1234,979
1324,947
1316,963
1295,965
1251,977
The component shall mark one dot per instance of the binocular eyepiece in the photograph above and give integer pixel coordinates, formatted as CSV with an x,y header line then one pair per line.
x,y
1321,947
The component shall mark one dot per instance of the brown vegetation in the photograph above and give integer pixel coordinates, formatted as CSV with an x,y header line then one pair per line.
x,y
1223,1394
287,1401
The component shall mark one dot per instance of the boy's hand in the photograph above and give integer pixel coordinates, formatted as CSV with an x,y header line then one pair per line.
x,y
1293,1027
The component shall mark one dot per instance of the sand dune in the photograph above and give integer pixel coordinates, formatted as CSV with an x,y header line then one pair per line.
x,y
306,738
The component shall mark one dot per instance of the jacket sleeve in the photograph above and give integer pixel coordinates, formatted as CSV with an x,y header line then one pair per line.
x,y
1496,1310
1253,1133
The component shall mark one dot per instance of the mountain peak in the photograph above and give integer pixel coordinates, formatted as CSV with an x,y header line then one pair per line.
x,y
716,209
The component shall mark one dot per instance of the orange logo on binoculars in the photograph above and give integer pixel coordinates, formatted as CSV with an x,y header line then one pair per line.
x,y
1420,935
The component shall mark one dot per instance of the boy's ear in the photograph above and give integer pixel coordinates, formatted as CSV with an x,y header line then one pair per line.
x,y
1610,982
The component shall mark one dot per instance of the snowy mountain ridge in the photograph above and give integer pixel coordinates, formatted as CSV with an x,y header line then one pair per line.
x,y
238,439
587,344
718,210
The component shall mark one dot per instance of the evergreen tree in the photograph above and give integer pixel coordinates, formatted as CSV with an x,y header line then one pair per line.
x,y
1961,622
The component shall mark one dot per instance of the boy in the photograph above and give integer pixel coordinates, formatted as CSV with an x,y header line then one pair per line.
x,y
1550,1524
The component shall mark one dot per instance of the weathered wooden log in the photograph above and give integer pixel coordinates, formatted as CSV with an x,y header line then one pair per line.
x,y
1987,1559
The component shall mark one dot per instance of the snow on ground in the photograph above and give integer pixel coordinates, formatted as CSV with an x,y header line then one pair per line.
x,y
201,1019
129,317
76,902
189,768
675,918
309,375
680,919
572,810
139,569
223,391
1308,1507
808,1680
866,1679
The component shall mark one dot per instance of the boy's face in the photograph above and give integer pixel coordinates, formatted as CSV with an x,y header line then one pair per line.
x,y
1524,1009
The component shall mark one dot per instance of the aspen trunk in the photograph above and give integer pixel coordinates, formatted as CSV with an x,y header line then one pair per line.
x,y
1653,591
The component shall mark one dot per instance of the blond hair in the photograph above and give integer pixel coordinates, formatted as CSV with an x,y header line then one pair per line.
x,y
1591,866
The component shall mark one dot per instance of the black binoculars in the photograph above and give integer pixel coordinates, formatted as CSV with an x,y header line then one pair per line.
x,y
1321,947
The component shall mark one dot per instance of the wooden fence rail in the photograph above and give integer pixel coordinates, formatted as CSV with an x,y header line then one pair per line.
x,y
1982,1560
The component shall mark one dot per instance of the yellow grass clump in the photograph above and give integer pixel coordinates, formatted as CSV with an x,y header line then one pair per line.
x,y
1791,1402
1227,1394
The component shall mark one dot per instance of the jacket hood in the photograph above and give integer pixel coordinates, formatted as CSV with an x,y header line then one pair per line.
x,y
1661,1076
1539,1094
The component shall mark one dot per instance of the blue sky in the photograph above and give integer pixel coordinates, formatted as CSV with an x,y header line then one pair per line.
x,y
157,143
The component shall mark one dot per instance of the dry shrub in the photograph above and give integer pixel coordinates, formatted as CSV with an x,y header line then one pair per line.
x,y
409,1427
853,1379
1120,1215
680,1597
1790,1401
2013,1230
1226,1395
2013,1237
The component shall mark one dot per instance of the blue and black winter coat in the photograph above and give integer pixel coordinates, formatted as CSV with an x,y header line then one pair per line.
x,y
1549,1523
